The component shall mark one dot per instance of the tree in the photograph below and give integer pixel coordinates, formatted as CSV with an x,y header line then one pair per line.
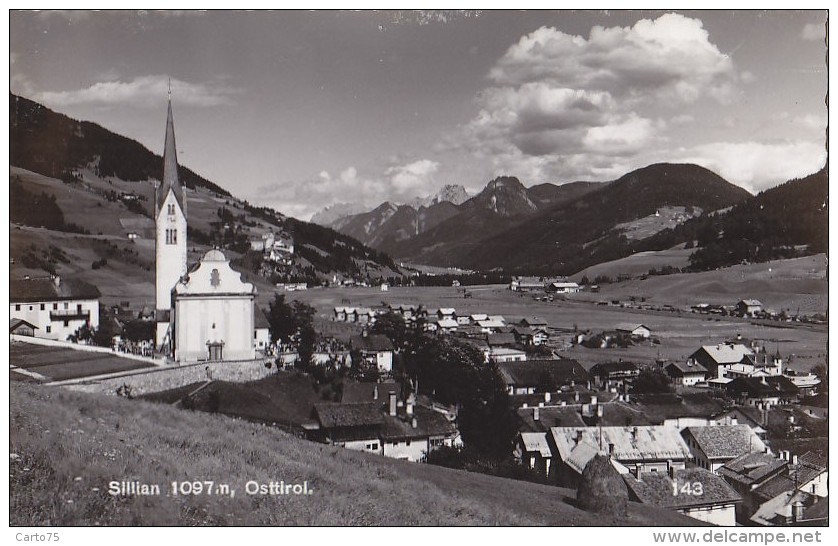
x,y
651,382
392,325
821,371
281,320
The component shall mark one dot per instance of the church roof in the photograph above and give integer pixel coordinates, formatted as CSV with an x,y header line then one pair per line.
x,y
214,255
170,168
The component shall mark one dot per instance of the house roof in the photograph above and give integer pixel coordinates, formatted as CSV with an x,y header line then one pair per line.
x,y
640,443
478,316
447,323
607,368
531,373
490,323
726,353
564,284
808,467
751,468
15,323
726,441
656,488
371,342
57,289
662,406
777,385
506,351
260,319
536,442
446,310
679,368
428,423
751,303
548,417
355,392
629,327
775,486
501,339
333,415
533,321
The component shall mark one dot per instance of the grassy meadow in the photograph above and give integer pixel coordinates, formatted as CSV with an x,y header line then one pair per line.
x,y
67,446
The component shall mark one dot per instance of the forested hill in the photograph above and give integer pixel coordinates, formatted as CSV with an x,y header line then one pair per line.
x,y
783,222
55,145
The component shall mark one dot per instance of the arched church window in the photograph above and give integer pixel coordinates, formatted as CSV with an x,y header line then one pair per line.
x,y
215,278
171,209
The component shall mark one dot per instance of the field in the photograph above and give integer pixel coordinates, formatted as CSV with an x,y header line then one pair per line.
x,y
680,332
58,364
66,447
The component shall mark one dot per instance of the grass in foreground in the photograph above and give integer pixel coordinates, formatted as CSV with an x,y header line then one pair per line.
x,y
67,446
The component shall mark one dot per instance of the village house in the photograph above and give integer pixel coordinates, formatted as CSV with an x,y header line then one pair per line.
x,y
748,472
796,496
748,307
762,392
339,314
20,327
533,322
506,354
714,446
447,325
412,431
375,350
613,374
490,326
686,373
353,426
756,418
635,331
532,376
533,451
639,449
55,307
714,357
501,339
446,313
694,492
526,284
364,315
564,287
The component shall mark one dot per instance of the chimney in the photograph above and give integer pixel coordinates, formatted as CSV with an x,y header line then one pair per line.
x,y
576,397
375,392
547,397
392,404
409,407
611,449
794,460
535,414
599,411
626,397
57,281
414,423
671,469
593,400
578,437
525,405
639,473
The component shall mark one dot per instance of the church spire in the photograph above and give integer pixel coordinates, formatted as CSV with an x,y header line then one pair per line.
x,y
170,174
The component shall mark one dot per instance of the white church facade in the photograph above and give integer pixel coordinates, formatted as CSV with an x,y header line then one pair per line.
x,y
206,313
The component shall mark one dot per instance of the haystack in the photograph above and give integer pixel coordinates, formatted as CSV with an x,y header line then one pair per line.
x,y
602,489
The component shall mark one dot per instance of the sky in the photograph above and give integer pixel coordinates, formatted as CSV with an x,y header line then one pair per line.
x,y
300,110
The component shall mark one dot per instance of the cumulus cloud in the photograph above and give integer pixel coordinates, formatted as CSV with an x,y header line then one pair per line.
x,y
669,56
813,32
408,180
757,166
144,91
562,106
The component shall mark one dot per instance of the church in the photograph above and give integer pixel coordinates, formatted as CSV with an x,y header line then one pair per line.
x,y
205,313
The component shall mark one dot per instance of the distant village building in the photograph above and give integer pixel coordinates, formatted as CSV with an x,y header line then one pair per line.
x,y
55,307
21,328
531,376
533,451
526,284
748,307
564,287
714,357
638,331
686,373
375,350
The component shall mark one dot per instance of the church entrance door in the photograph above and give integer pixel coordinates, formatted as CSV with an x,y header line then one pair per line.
x,y
215,350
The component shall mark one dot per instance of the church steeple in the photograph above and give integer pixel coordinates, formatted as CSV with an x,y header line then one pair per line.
x,y
170,174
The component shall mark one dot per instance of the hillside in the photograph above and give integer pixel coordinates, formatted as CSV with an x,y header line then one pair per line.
x,y
89,212
578,232
66,447
789,220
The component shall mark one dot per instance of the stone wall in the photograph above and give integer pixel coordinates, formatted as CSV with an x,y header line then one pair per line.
x,y
172,377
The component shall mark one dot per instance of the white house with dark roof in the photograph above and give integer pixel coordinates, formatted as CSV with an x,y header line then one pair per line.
x,y
722,355
564,287
686,373
748,307
634,330
714,446
375,349
55,307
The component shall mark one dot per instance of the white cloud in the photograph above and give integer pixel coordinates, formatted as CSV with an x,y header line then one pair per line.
x,y
757,166
144,91
413,178
813,32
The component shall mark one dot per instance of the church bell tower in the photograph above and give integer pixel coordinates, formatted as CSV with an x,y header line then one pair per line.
x,y
170,247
